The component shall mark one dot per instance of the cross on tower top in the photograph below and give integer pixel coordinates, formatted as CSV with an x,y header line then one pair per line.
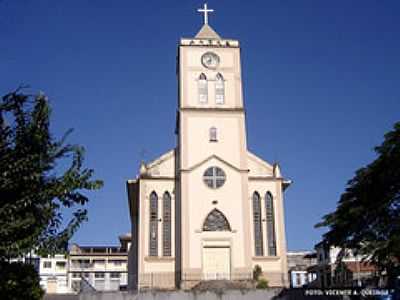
x,y
205,11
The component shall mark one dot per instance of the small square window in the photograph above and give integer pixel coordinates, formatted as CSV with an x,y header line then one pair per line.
x,y
47,264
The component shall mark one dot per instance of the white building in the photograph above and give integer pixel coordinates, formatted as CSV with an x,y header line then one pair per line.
x,y
298,265
53,271
102,268
209,208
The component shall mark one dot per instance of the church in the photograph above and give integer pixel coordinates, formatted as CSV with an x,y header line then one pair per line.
x,y
209,209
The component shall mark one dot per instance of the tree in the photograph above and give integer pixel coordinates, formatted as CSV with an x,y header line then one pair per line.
x,y
19,281
367,218
40,177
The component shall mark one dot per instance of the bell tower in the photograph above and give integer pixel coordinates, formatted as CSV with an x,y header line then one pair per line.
x,y
210,107
211,134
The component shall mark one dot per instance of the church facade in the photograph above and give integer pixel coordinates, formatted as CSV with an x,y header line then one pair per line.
x,y
208,209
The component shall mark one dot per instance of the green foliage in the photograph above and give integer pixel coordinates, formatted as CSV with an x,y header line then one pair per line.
x,y
257,271
19,281
262,284
367,218
40,177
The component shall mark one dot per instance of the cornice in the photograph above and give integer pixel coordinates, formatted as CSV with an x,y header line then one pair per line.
x,y
213,109
217,158
149,177
159,258
266,178
266,258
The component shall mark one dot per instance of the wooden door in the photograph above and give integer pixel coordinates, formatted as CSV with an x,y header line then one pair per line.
x,y
216,263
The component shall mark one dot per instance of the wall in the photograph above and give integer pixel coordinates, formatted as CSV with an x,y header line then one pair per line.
x,y
181,295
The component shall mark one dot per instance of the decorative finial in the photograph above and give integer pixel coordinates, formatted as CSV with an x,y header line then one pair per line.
x,y
143,169
205,11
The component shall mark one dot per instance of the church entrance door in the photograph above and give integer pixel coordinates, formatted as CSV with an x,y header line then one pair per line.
x,y
216,263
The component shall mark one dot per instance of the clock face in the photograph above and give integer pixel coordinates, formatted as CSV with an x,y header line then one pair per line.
x,y
210,60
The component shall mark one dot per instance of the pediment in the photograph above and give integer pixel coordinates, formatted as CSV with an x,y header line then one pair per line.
x,y
163,166
215,157
258,166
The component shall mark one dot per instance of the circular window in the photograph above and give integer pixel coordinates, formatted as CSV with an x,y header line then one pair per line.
x,y
214,177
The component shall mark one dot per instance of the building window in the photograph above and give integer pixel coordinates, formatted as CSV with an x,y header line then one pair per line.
x,y
81,263
219,89
203,88
258,236
153,239
213,134
116,263
60,265
115,275
166,224
270,216
99,275
99,263
214,177
216,221
47,264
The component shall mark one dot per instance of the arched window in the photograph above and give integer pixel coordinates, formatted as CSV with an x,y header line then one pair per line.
x,y
203,88
219,89
153,239
258,235
166,224
216,221
213,134
270,216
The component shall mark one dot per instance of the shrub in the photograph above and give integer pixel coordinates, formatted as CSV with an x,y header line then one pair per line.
x,y
262,284
257,272
19,281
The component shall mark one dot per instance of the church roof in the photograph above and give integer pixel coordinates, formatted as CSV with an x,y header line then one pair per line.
x,y
213,156
206,32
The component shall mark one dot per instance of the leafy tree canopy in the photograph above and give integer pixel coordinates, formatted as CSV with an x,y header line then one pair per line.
x,y
35,187
367,218
19,281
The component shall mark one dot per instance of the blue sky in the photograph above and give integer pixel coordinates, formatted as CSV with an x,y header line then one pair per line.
x,y
321,87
